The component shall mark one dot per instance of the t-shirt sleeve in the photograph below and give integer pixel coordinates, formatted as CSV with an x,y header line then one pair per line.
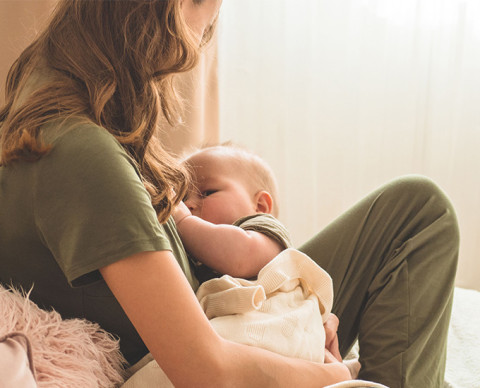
x,y
267,225
91,208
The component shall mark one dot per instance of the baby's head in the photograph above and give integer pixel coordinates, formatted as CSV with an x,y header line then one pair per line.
x,y
230,182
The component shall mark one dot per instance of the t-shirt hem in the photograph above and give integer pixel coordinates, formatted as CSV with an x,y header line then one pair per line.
x,y
78,275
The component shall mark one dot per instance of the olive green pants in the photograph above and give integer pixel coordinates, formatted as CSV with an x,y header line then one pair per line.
x,y
393,258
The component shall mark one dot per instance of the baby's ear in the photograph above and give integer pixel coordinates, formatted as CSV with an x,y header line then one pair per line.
x,y
263,202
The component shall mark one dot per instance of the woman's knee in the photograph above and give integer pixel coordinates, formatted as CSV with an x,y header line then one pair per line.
x,y
417,188
420,192
413,184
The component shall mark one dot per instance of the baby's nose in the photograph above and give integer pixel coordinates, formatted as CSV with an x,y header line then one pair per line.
x,y
192,204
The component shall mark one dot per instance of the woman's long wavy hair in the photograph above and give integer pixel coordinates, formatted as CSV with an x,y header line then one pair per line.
x,y
111,63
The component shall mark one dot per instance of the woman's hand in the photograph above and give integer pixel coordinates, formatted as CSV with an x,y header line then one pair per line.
x,y
332,352
331,338
330,358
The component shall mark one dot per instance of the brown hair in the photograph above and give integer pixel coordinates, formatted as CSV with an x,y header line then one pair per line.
x,y
110,62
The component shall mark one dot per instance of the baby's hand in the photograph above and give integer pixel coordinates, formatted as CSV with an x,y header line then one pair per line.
x,y
181,212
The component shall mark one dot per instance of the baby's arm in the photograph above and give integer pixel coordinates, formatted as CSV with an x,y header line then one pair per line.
x,y
227,249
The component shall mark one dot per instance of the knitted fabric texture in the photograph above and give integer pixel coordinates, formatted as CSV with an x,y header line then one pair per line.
x,y
283,310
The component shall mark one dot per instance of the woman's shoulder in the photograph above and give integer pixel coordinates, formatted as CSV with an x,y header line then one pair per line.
x,y
81,148
76,131
80,139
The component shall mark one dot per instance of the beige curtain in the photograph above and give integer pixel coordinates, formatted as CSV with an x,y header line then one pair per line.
x,y
341,96
198,89
19,22
21,19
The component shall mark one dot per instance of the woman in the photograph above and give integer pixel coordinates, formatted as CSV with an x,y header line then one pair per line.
x,y
87,193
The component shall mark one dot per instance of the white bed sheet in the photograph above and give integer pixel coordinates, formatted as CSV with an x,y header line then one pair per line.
x,y
463,348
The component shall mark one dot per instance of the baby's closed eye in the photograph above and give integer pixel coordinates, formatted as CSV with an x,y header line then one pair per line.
x,y
206,193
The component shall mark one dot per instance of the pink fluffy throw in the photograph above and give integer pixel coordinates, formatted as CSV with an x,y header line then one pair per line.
x,y
66,353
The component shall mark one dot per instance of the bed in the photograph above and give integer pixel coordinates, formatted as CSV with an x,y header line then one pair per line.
x,y
463,367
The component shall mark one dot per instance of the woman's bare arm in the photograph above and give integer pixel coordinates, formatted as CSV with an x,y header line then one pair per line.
x,y
227,249
157,298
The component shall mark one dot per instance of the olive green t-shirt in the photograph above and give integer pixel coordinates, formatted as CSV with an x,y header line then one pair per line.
x,y
268,225
79,208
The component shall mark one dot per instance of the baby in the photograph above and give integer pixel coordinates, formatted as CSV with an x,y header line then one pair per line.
x,y
227,223
233,203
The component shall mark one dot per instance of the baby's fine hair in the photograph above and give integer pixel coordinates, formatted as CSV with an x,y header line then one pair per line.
x,y
258,173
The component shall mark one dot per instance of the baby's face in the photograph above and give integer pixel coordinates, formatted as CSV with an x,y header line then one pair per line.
x,y
219,196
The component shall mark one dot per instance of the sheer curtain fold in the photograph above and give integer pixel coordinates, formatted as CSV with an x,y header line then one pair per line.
x,y
342,96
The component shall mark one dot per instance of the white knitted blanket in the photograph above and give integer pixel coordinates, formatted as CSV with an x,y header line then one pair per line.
x,y
283,310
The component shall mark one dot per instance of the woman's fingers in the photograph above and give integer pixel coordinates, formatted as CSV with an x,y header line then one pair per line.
x,y
331,338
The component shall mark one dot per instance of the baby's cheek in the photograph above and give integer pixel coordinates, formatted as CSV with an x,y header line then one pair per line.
x,y
216,213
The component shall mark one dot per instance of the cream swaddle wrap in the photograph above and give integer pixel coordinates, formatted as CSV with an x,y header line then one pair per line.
x,y
283,310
